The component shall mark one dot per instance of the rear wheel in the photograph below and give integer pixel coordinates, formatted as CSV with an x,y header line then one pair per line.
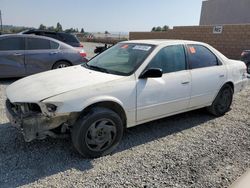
x,y
222,102
98,133
248,68
61,64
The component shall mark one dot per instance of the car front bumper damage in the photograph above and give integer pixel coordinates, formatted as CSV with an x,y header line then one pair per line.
x,y
35,125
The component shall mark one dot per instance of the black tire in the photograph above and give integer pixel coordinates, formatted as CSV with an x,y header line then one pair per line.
x,y
248,68
222,102
61,64
93,137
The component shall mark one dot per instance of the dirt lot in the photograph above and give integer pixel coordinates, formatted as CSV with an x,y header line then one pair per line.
x,y
188,150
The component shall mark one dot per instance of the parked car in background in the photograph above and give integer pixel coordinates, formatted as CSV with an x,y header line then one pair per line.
x,y
245,56
100,49
129,84
67,38
22,55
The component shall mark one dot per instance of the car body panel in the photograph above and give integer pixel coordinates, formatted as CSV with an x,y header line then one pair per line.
x,y
51,83
162,96
12,63
204,90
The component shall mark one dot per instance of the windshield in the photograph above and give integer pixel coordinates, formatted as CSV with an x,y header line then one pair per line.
x,y
121,59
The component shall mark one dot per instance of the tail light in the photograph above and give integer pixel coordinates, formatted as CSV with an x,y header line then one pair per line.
x,y
243,54
83,54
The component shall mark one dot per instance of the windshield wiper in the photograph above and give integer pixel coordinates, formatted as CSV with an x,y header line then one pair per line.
x,y
92,67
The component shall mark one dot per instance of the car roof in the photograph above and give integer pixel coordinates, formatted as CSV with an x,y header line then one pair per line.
x,y
43,31
35,36
163,41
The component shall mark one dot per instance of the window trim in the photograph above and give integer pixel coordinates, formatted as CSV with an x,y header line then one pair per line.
x,y
188,58
185,55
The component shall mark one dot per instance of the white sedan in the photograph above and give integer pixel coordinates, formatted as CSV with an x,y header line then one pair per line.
x,y
129,84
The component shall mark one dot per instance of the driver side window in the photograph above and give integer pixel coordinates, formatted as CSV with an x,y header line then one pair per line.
x,y
169,59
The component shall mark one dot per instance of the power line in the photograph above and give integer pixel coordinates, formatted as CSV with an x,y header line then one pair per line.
x,y
1,21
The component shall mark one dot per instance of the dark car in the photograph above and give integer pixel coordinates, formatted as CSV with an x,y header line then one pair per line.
x,y
61,36
22,55
245,56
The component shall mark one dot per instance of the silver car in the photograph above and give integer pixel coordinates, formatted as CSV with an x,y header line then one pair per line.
x,y
22,55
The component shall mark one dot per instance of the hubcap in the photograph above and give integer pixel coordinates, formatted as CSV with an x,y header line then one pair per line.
x,y
62,66
101,135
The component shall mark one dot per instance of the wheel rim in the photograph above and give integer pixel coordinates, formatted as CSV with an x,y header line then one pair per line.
x,y
62,66
101,135
224,101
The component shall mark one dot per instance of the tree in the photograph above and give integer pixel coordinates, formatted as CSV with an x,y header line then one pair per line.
x,y
153,29
51,28
42,27
82,30
165,28
59,27
106,32
158,29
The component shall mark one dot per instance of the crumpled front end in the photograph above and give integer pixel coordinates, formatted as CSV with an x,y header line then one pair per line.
x,y
33,122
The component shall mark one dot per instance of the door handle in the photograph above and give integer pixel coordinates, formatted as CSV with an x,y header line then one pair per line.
x,y
185,83
222,76
17,54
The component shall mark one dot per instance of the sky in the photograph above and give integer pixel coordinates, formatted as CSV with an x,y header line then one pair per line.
x,y
101,15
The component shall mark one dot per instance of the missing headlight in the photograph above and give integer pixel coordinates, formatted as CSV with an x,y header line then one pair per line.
x,y
51,107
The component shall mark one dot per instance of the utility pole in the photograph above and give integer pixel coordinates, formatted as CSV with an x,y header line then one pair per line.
x,y
1,22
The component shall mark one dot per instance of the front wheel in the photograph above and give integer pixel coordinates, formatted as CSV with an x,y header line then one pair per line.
x,y
98,133
222,102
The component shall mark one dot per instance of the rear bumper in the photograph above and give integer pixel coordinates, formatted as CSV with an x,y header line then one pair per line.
x,y
34,125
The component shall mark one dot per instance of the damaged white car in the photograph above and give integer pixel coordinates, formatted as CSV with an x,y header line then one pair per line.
x,y
129,84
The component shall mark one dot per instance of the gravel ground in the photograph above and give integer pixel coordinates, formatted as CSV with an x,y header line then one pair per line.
x,y
188,150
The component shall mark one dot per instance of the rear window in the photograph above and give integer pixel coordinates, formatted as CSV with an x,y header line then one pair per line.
x,y
200,57
54,45
69,38
15,43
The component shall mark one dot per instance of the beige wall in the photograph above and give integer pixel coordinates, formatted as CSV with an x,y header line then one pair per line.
x,y
225,12
233,40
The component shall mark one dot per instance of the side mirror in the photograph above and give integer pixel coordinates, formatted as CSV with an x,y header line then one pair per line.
x,y
151,73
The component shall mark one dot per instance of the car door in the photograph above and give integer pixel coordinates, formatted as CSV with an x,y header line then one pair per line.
x,y
208,75
12,57
159,97
40,54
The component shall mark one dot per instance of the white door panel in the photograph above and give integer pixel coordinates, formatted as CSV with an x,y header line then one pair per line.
x,y
157,97
206,82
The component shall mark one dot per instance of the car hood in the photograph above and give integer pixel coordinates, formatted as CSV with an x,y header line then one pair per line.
x,y
51,83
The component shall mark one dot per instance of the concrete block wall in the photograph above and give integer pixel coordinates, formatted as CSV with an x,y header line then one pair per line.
x,y
231,42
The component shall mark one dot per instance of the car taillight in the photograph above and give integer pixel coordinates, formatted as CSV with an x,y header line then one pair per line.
x,y
83,54
243,54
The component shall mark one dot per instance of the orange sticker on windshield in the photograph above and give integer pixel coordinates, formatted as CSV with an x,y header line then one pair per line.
x,y
192,50
125,46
